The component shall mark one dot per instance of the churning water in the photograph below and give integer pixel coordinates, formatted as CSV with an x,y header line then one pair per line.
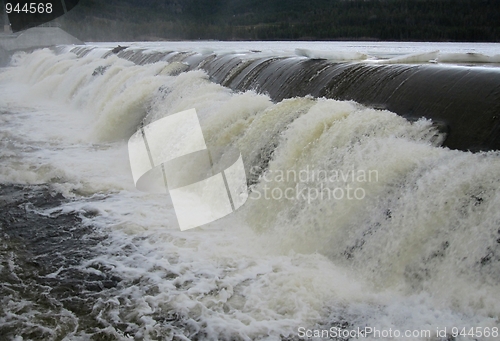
x,y
356,217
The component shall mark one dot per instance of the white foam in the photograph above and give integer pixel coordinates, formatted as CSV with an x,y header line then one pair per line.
x,y
413,58
331,55
404,257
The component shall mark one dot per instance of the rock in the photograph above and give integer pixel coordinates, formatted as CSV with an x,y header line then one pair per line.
x,y
118,49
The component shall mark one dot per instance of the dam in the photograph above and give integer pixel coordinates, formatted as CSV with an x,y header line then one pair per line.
x,y
462,100
366,206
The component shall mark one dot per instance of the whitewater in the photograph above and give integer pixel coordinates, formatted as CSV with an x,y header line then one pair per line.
x,y
413,247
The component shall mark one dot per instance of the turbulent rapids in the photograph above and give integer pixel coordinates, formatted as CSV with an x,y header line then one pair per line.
x,y
366,206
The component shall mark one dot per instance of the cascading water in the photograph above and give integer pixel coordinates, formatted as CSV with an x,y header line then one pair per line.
x,y
356,216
